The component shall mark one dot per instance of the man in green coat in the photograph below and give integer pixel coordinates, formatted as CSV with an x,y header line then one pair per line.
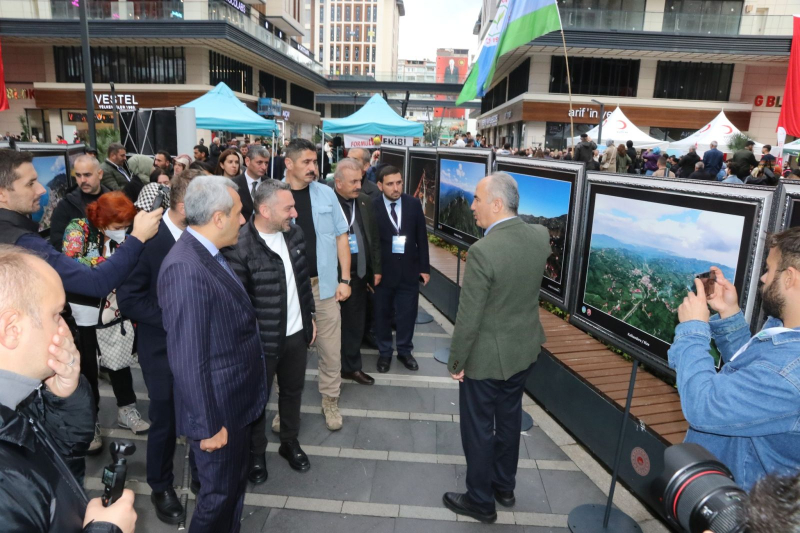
x,y
497,339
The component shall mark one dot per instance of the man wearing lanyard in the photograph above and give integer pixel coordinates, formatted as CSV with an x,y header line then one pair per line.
x,y
365,264
748,413
248,181
404,262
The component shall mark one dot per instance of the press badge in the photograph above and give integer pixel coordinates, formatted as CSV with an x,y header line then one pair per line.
x,y
351,238
398,244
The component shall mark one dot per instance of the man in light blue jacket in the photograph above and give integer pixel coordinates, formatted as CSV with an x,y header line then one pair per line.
x,y
748,413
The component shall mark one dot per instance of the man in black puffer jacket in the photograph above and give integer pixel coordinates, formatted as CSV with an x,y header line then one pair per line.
x,y
270,259
46,410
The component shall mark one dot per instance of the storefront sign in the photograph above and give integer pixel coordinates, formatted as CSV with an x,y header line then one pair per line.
x,y
587,112
238,5
20,94
768,101
125,102
372,141
269,107
300,48
487,122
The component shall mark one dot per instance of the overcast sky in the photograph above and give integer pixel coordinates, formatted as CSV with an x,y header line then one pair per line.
x,y
432,24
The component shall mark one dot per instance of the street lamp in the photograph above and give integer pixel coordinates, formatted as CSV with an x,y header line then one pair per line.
x,y
600,126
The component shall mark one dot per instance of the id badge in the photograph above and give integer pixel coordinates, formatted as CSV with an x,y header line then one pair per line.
x,y
351,238
398,244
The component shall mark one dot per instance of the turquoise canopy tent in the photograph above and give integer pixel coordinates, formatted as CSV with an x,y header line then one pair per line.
x,y
220,109
375,118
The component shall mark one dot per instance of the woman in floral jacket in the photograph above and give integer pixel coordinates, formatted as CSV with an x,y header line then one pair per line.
x,y
89,241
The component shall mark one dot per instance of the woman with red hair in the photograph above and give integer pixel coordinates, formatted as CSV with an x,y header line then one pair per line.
x,y
90,241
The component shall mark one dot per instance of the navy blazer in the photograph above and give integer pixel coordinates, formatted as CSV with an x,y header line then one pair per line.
x,y
712,161
403,268
138,300
213,346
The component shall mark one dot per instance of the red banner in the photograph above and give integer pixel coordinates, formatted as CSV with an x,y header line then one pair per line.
x,y
790,110
3,97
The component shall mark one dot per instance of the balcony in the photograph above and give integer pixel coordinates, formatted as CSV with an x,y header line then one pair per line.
x,y
675,23
163,10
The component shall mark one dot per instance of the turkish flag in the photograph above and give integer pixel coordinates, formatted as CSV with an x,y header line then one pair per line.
x,y
3,97
790,110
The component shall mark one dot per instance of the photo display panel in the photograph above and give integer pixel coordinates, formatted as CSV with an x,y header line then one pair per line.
x,y
51,162
396,157
421,181
643,246
549,194
460,170
788,215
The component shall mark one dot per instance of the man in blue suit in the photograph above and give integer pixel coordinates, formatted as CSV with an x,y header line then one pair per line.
x,y
138,300
214,351
712,159
404,260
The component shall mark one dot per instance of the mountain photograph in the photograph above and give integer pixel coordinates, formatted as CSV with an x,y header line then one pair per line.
x,y
457,183
643,259
422,179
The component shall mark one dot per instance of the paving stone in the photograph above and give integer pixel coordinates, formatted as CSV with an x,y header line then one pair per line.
x,y
567,490
371,509
413,457
540,519
539,446
253,519
137,463
412,483
540,529
329,478
413,400
427,513
313,504
397,435
406,525
543,464
290,521
376,455
446,401
314,432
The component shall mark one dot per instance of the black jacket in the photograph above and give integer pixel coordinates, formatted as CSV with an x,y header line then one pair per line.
x,y
71,207
631,151
403,268
262,273
584,151
686,164
37,491
246,195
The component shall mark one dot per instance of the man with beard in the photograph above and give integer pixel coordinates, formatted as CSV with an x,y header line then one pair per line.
x,y
88,174
746,414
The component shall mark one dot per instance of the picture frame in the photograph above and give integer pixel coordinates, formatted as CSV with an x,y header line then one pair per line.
x,y
422,163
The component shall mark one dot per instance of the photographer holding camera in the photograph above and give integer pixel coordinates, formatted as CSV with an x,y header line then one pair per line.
x,y
46,409
748,413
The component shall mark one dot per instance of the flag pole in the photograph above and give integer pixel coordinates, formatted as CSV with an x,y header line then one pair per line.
x,y
569,83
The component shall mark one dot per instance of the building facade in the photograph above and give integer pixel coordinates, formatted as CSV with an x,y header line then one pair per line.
x,y
670,65
356,37
416,70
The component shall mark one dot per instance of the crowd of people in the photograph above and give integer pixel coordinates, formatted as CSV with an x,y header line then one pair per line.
x,y
220,278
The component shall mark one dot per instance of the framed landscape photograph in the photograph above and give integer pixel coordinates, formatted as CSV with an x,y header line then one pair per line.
x,y
395,156
643,243
549,194
787,205
51,162
421,181
459,171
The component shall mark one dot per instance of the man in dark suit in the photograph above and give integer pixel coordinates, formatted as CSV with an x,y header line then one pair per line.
x,y
712,159
451,72
367,187
496,340
256,162
138,300
404,260
214,351
365,264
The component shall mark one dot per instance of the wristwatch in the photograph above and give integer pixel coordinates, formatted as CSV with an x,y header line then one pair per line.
x,y
345,281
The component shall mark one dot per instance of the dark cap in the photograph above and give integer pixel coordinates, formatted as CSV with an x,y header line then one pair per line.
x,y
750,143
584,135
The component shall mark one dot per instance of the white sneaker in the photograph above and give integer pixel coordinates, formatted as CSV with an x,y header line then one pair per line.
x,y
96,446
128,417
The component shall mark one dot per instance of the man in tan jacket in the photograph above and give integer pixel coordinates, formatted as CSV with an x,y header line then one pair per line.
x,y
497,339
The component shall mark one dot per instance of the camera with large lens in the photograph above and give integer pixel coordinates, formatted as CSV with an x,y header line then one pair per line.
x,y
698,492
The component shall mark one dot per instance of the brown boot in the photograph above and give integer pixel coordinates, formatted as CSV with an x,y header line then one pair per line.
x,y
333,418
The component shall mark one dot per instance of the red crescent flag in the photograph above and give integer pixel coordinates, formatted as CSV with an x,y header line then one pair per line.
x,y
3,97
790,111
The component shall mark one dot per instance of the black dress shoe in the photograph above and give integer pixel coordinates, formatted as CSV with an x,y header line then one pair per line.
x,y
292,452
461,504
369,341
168,507
359,377
258,468
194,487
505,497
409,362
384,363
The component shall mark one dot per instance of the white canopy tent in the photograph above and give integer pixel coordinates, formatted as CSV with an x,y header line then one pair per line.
x,y
620,129
720,129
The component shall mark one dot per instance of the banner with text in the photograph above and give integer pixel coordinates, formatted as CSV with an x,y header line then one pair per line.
x,y
375,141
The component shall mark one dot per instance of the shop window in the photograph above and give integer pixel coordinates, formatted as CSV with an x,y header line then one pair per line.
x,y
302,97
235,74
518,79
272,86
320,108
693,81
670,134
715,17
557,133
121,64
595,76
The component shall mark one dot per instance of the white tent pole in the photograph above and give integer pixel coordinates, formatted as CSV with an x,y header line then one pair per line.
x,y
272,159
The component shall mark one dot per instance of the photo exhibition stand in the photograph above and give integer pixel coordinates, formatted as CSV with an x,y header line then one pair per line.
x,y
592,517
443,354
